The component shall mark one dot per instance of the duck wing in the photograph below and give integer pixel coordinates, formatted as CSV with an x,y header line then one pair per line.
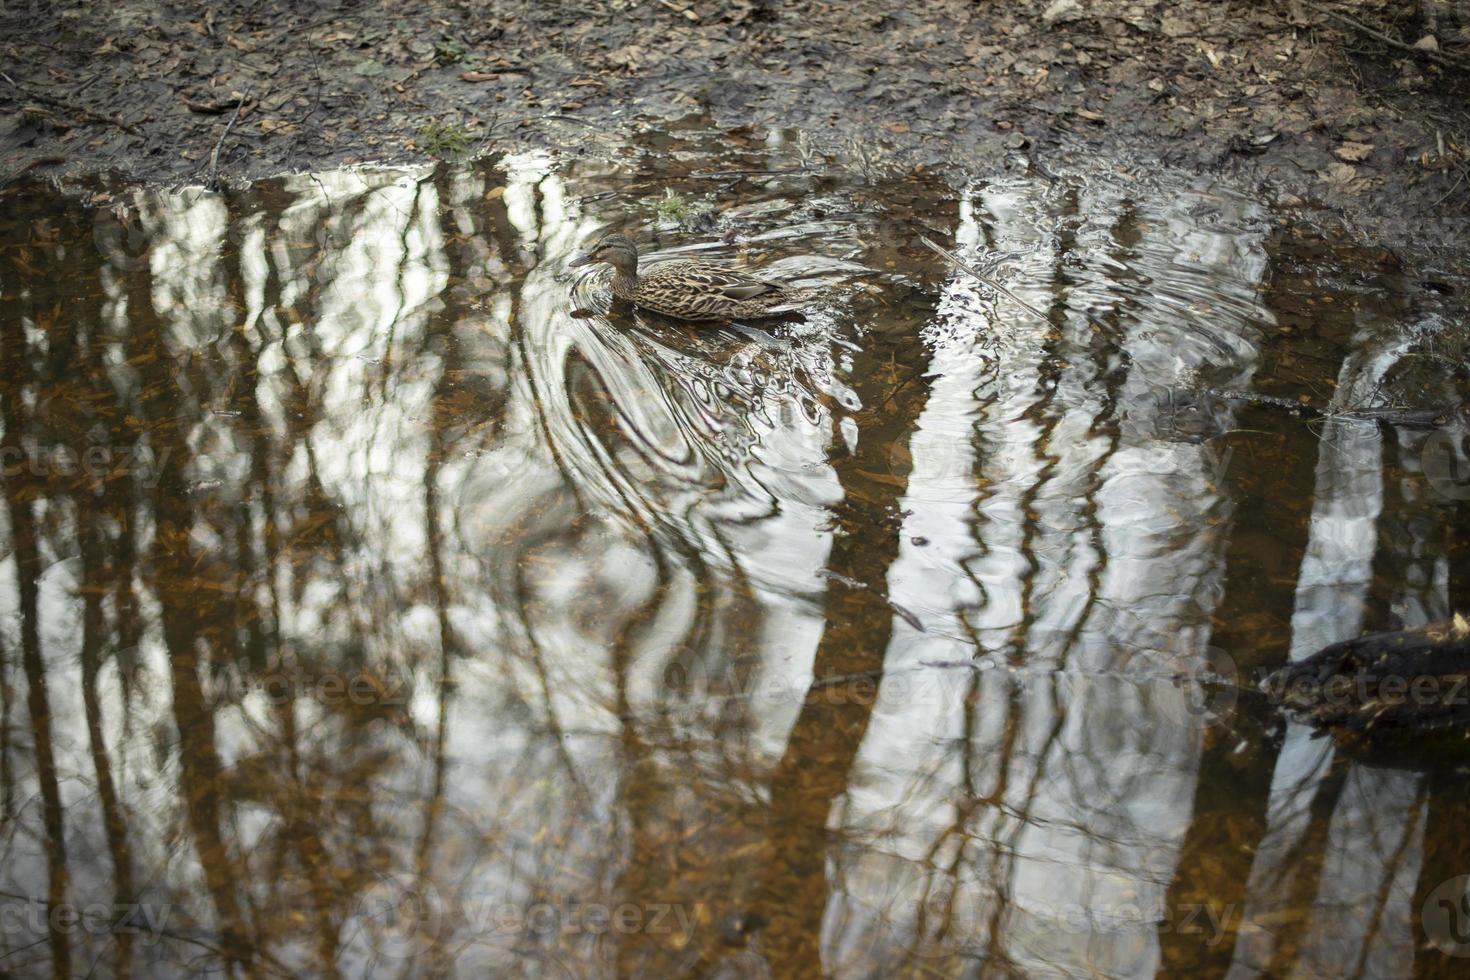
x,y
715,280
749,290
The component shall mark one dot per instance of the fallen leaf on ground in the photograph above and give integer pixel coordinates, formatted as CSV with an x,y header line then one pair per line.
x,y
1175,26
1353,152
629,56
1062,11
208,108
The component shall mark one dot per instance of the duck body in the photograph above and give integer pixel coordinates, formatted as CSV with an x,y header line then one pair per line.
x,y
689,290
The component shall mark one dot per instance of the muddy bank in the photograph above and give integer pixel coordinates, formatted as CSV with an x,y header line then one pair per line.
x,y
1318,105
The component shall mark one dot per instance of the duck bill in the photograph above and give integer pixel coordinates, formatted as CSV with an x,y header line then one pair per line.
x,y
580,259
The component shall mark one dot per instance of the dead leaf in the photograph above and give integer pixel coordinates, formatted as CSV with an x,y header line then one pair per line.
x,y
686,12
207,108
1062,11
1340,173
1173,25
1353,152
629,56
1090,116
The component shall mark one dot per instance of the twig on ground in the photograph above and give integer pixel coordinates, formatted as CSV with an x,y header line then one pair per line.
x,y
43,161
1454,187
214,156
68,106
1378,35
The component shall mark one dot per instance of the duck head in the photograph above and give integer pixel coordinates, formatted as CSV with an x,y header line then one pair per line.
x,y
616,250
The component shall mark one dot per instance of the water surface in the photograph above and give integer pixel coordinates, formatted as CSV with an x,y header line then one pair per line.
x,y
376,601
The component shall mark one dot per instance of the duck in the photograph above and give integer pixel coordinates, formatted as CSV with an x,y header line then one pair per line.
x,y
689,290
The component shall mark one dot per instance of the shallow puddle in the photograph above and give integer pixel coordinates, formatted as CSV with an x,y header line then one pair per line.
x,y
376,601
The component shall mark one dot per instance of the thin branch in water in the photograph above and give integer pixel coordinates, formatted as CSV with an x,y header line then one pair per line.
x,y
985,279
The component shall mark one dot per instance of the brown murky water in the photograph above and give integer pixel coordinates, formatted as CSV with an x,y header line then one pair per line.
x,y
368,613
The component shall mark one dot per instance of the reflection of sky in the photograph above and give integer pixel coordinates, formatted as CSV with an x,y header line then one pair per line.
x,y
1091,776
1362,908
611,501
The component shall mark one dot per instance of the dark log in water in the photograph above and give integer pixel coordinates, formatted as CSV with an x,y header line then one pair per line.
x,y
1409,679
1399,416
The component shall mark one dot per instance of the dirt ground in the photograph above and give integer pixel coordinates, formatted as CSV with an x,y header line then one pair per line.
x,y
1358,106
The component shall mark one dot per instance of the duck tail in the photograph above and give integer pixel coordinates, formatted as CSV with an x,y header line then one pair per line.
x,y
792,300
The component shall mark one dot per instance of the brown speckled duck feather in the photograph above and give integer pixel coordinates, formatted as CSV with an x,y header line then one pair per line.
x,y
690,290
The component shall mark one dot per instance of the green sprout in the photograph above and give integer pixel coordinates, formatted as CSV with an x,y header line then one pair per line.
x,y
675,209
445,139
448,50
